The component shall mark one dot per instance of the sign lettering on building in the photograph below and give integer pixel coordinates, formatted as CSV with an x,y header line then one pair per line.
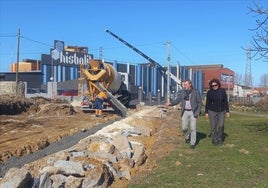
x,y
70,58
226,78
73,58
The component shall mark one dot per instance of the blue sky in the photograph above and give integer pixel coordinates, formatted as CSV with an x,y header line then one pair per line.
x,y
200,31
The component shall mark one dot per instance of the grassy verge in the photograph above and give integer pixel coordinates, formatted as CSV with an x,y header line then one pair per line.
x,y
242,161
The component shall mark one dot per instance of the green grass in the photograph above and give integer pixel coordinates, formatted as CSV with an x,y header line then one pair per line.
x,y
242,161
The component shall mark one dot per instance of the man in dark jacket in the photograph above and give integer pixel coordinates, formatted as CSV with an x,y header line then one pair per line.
x,y
216,106
191,104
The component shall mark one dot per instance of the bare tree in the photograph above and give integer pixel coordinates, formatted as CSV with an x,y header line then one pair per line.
x,y
259,42
238,78
264,80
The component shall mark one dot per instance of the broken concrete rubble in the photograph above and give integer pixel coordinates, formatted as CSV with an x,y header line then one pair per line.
x,y
97,160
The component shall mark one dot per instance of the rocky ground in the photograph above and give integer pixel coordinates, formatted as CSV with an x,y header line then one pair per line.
x,y
30,125
32,129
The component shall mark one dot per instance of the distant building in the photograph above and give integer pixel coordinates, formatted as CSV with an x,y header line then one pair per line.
x,y
225,75
63,65
33,79
26,65
238,91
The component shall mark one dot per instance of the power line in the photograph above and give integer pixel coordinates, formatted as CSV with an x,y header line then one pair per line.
x,y
37,41
93,49
117,47
26,38
182,54
13,35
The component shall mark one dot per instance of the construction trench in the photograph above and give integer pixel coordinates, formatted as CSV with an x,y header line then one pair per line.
x,y
40,129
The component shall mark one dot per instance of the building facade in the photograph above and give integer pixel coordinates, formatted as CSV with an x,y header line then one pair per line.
x,y
63,64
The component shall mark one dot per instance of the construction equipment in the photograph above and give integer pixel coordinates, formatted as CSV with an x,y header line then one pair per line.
x,y
100,76
152,62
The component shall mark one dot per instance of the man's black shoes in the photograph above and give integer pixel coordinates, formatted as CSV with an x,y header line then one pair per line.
x,y
187,141
192,146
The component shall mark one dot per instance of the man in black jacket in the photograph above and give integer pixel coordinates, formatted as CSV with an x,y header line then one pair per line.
x,y
217,106
191,104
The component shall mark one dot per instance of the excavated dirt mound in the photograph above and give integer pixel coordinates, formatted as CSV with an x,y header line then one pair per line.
x,y
11,105
40,123
28,125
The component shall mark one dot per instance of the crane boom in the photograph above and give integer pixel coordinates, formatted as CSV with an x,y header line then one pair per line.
x,y
153,62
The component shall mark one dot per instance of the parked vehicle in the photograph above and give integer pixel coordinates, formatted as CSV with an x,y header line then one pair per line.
x,y
35,90
70,92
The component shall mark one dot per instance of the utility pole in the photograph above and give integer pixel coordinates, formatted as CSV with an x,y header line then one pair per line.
x,y
100,52
229,88
248,75
17,64
168,73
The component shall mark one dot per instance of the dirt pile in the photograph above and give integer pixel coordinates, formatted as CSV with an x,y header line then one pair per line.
x,y
45,123
28,125
11,105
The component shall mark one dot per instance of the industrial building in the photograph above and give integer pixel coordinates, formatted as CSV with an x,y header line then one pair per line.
x,y
63,65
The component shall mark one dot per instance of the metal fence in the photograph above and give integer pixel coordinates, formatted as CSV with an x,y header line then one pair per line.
x,y
245,100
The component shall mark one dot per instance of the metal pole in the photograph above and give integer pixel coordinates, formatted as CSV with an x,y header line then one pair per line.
x,y
140,95
168,73
229,87
150,98
17,64
158,97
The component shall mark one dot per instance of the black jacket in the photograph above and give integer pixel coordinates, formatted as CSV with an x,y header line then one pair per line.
x,y
217,100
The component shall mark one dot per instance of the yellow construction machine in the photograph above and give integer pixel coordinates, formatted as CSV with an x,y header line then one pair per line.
x,y
98,76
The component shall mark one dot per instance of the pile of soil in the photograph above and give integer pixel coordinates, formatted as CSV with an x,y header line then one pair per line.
x,y
28,125
41,127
